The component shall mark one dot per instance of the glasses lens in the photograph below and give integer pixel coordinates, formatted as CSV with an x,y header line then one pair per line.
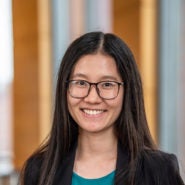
x,y
108,90
78,88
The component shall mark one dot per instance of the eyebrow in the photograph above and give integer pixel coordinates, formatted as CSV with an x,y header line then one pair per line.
x,y
79,75
105,77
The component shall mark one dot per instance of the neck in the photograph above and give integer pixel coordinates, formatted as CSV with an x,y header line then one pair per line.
x,y
96,152
97,145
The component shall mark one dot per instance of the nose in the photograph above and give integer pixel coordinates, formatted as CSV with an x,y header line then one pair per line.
x,y
93,96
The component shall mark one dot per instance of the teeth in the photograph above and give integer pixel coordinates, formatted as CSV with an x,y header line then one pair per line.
x,y
92,112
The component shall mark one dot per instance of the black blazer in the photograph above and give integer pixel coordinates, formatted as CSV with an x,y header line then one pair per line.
x,y
153,168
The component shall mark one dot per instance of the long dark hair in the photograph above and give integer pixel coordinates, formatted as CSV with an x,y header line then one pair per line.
x,y
131,126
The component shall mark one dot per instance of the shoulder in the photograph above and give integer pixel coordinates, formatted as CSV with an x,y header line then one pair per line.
x,y
157,157
159,166
31,170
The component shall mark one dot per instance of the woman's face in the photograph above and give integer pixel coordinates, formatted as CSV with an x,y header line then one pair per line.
x,y
92,113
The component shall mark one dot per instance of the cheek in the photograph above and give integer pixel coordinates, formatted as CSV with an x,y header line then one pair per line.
x,y
119,99
119,102
115,106
118,106
117,109
71,103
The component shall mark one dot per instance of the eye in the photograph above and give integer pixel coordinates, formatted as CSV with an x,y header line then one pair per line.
x,y
80,83
108,85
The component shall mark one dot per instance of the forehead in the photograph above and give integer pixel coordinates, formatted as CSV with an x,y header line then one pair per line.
x,y
96,65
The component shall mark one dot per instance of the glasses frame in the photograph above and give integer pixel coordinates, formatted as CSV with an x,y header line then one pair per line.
x,y
96,87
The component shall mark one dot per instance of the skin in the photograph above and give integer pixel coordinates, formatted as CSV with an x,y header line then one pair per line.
x,y
97,143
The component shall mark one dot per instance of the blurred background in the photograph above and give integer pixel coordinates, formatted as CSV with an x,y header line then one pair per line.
x,y
34,35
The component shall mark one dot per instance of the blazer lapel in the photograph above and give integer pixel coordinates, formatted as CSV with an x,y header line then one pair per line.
x,y
121,176
64,173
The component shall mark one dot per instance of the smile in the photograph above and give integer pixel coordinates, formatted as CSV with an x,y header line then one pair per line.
x,y
92,112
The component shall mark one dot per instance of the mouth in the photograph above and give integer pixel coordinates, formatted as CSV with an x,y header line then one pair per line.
x,y
92,111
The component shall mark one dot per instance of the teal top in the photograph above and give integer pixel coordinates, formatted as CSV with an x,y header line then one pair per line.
x,y
105,180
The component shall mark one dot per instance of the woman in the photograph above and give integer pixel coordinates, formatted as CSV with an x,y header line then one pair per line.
x,y
100,133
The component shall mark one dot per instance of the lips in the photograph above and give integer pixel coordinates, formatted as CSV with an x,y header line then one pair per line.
x,y
92,111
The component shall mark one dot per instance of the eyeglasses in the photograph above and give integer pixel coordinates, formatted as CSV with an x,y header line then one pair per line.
x,y
105,89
